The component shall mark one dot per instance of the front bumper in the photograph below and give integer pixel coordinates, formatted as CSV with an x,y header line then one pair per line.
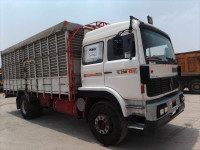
x,y
153,120
152,117
152,125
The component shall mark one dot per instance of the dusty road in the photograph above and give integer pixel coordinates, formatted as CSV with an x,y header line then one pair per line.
x,y
54,131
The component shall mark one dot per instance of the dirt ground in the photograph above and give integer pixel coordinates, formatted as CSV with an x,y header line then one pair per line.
x,y
54,131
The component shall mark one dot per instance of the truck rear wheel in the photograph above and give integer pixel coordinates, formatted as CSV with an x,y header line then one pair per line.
x,y
29,109
106,123
194,86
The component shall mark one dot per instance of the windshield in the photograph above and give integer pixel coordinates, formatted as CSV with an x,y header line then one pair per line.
x,y
157,48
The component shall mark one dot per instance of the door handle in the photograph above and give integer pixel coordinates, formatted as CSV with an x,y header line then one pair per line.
x,y
107,72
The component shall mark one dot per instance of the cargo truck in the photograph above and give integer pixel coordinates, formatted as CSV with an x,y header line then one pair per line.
x,y
116,76
190,70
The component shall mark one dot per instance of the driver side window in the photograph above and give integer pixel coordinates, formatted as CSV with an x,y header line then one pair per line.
x,y
128,47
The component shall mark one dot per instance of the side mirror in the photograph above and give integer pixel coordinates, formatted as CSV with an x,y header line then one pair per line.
x,y
128,55
118,45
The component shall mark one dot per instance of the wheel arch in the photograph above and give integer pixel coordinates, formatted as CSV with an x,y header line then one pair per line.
x,y
103,94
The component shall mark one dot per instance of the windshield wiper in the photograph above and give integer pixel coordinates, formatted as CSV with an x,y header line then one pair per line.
x,y
156,59
171,60
153,58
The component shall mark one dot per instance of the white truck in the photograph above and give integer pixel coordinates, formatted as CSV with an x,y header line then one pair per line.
x,y
117,76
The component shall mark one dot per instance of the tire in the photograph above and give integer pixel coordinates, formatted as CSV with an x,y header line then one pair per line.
x,y
107,124
194,86
38,109
5,95
30,108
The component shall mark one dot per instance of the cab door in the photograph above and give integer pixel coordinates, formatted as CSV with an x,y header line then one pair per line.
x,y
122,69
92,65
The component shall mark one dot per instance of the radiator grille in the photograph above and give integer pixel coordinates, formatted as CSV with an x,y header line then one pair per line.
x,y
159,86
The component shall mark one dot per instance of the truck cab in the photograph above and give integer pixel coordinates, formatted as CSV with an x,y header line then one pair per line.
x,y
135,63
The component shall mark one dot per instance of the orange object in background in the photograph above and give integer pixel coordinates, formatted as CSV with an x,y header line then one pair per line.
x,y
189,62
190,70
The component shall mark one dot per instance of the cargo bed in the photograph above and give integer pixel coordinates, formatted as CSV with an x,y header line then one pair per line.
x,y
39,64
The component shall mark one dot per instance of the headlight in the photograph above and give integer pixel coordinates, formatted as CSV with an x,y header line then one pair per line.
x,y
166,109
162,110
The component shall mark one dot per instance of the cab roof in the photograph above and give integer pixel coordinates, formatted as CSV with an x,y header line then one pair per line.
x,y
113,29
106,31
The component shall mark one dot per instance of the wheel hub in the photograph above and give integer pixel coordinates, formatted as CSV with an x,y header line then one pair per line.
x,y
102,124
196,86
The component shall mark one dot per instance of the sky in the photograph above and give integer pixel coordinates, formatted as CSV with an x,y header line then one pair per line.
x,y
20,19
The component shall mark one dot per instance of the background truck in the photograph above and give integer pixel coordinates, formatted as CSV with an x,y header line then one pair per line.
x,y
115,76
190,70
1,81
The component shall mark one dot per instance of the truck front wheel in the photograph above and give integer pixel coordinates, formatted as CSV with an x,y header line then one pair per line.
x,y
107,124
194,86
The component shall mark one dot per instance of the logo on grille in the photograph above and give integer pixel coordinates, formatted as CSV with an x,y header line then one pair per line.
x,y
171,84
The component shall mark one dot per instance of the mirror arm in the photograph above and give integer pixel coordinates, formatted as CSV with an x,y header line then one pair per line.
x,y
131,23
120,32
130,26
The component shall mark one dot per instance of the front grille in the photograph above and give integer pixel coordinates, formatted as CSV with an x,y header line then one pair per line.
x,y
159,86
